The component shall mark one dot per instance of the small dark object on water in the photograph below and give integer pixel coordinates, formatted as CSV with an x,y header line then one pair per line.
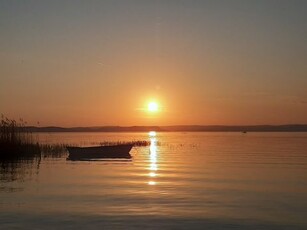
x,y
94,152
134,143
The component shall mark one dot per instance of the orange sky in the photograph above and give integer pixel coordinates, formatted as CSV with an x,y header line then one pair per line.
x,y
204,62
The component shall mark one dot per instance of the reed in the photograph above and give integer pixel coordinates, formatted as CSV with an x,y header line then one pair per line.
x,y
134,143
16,140
53,150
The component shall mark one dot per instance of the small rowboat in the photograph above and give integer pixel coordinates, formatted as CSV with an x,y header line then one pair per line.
x,y
94,152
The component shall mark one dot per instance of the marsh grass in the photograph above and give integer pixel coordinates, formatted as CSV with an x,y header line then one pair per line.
x,y
134,143
16,140
53,150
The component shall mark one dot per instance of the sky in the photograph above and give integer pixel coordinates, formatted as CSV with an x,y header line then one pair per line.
x,y
94,63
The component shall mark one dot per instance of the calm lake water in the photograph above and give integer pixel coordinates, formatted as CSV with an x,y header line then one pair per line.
x,y
180,181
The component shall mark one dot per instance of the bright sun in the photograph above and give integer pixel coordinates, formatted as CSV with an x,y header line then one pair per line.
x,y
153,107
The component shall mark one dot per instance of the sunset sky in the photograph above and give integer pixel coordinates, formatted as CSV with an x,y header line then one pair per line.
x,y
88,63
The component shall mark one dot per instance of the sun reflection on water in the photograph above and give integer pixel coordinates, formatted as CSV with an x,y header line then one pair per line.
x,y
152,134
153,157
151,182
152,174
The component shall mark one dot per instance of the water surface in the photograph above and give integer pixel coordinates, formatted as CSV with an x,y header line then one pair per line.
x,y
180,181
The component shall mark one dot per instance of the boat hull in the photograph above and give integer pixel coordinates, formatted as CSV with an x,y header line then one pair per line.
x,y
112,151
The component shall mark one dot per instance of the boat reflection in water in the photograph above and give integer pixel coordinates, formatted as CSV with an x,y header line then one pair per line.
x,y
153,158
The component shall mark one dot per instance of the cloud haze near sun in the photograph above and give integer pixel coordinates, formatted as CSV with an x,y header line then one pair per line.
x,y
206,62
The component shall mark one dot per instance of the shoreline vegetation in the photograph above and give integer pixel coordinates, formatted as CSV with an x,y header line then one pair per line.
x,y
177,128
16,141
16,138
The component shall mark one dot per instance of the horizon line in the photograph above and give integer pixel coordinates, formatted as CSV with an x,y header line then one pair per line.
x,y
178,125
175,128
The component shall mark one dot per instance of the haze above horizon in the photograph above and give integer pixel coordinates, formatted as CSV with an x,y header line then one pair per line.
x,y
154,63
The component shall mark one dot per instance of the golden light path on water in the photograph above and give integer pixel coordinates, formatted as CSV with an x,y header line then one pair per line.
x,y
211,180
153,168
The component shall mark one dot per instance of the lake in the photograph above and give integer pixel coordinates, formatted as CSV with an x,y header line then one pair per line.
x,y
181,181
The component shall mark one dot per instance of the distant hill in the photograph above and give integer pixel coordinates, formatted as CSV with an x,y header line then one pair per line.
x,y
177,128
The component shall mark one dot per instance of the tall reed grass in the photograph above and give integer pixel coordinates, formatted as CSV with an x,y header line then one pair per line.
x,y
139,143
16,140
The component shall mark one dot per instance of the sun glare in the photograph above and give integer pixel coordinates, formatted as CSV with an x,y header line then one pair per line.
x,y
152,133
153,107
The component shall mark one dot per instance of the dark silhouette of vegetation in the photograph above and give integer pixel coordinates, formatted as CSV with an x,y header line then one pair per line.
x,y
15,140
53,150
134,143
179,128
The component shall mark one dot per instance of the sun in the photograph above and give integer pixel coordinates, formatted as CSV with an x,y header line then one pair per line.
x,y
153,106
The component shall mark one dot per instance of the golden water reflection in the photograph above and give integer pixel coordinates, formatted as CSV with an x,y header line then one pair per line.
x,y
153,167
152,174
151,182
152,134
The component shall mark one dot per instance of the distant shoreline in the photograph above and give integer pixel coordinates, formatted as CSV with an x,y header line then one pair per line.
x,y
176,128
